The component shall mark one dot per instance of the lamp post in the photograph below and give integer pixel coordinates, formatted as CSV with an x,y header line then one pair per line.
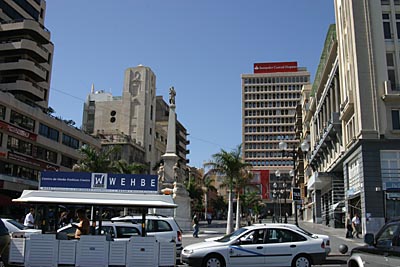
x,y
305,146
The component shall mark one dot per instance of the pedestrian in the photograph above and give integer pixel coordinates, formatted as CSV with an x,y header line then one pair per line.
x,y
356,223
4,243
248,219
209,218
83,227
349,227
196,226
29,221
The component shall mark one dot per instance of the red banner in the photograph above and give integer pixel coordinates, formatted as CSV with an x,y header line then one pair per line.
x,y
18,131
261,177
275,67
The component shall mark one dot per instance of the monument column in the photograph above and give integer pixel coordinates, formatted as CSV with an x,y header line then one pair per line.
x,y
172,173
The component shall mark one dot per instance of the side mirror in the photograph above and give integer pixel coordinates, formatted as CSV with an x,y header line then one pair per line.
x,y
369,239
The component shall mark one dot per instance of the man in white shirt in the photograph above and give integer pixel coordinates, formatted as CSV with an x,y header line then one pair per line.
x,y
356,225
29,221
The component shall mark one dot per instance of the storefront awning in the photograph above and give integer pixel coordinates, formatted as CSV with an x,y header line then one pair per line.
x,y
97,199
318,181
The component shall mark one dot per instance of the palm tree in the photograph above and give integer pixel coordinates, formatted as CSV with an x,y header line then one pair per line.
x,y
208,185
122,166
230,164
95,160
245,176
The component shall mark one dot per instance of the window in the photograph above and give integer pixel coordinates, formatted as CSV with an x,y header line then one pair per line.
x,y
398,25
2,112
19,146
386,26
67,161
47,155
48,132
395,119
386,237
70,141
22,121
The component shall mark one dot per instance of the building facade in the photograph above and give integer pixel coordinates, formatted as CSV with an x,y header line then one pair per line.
x,y
31,139
269,100
138,116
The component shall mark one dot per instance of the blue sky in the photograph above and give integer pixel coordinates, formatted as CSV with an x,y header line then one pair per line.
x,y
199,47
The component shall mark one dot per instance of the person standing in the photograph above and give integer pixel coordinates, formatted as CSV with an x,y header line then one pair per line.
x,y
196,226
29,221
349,226
356,225
83,227
4,243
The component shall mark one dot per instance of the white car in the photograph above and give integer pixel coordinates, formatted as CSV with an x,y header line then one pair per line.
x,y
258,245
15,227
162,227
113,229
324,237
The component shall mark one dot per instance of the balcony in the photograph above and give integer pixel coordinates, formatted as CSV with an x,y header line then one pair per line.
x,y
390,95
37,51
36,91
347,107
34,70
331,134
25,26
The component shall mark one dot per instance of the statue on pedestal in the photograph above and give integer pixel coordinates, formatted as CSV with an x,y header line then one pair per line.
x,y
161,173
172,95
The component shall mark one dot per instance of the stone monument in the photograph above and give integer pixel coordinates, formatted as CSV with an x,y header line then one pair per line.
x,y
170,176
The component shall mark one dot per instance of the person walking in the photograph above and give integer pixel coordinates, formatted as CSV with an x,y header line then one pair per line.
x,y
356,225
29,221
349,226
196,226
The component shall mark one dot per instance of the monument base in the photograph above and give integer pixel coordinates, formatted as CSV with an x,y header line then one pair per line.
x,y
183,214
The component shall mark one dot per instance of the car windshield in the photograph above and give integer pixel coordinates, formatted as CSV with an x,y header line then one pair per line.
x,y
232,236
16,224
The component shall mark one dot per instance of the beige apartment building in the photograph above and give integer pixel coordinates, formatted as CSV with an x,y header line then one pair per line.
x,y
31,139
269,99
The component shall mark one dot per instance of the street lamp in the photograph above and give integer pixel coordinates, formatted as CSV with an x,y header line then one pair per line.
x,y
282,192
305,146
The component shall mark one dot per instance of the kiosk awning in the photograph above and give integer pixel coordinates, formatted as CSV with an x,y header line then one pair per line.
x,y
97,199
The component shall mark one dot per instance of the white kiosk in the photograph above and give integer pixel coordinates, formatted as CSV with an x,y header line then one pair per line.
x,y
100,190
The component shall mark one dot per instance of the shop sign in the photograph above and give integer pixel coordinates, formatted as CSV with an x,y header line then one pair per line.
x,y
18,131
99,182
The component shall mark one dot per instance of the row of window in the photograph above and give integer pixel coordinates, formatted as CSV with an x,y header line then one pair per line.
x,y
261,146
274,104
271,96
264,154
274,120
269,162
272,137
270,129
387,2
272,80
265,112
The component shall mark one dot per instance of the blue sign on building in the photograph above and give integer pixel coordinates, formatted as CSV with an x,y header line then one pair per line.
x,y
99,182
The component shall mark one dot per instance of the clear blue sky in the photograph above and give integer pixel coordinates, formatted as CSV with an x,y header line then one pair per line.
x,y
199,47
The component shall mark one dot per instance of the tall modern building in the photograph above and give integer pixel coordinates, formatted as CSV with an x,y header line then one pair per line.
x,y
139,116
270,96
31,139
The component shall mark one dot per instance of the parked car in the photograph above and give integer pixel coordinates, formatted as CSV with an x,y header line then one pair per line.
x,y
162,227
113,229
381,250
261,245
326,238
15,227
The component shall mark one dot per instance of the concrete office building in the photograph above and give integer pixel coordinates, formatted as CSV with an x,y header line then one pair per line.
x,y
269,99
138,116
31,140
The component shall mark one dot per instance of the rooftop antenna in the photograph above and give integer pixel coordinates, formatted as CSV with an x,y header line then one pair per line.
x,y
92,89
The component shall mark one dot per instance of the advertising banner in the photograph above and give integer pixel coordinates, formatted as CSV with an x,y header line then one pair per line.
x,y
98,182
275,67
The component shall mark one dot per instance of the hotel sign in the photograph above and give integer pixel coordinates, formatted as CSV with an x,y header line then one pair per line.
x,y
99,182
275,67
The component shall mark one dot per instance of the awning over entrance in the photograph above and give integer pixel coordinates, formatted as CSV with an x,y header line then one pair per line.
x,y
318,181
97,199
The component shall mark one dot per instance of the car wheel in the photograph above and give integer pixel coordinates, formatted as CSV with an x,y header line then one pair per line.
x,y
213,260
301,261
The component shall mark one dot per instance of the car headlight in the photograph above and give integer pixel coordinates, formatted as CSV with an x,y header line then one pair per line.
x,y
188,251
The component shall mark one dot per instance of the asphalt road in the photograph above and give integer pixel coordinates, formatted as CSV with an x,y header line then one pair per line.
x,y
335,259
